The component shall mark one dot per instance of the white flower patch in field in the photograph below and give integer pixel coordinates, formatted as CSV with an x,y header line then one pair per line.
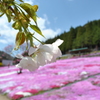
x,y
62,73
6,74
83,73
24,93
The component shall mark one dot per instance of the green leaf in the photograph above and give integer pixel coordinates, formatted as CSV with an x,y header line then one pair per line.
x,y
20,39
24,23
35,19
36,28
35,7
9,18
16,25
8,12
21,0
27,7
29,38
30,10
24,15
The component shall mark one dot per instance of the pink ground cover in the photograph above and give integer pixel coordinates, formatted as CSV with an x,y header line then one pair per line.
x,y
34,85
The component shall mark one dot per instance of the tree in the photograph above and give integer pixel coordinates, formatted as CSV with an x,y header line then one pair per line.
x,y
96,37
79,40
9,49
88,35
71,37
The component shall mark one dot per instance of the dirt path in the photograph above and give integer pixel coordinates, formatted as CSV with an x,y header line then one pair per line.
x,y
4,97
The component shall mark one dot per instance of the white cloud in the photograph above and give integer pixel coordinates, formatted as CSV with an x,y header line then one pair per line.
x,y
47,32
3,41
46,18
29,1
8,34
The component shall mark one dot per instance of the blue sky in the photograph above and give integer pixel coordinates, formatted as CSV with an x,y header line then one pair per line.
x,y
56,16
66,13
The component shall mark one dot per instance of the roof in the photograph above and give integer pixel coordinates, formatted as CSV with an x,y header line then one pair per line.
x,y
79,49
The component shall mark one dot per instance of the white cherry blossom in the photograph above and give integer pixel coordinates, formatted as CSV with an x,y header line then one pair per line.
x,y
46,53
27,63
43,54
56,51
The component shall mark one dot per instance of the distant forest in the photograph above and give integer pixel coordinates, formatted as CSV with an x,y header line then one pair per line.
x,y
80,37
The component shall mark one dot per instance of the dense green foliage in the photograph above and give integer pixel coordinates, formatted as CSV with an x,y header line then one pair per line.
x,y
79,37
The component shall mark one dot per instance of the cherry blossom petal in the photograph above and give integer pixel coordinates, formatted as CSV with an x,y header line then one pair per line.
x,y
28,63
46,48
56,53
43,58
19,56
58,42
32,50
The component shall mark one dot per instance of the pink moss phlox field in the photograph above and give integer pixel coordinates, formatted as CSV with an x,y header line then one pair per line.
x,y
51,76
78,91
